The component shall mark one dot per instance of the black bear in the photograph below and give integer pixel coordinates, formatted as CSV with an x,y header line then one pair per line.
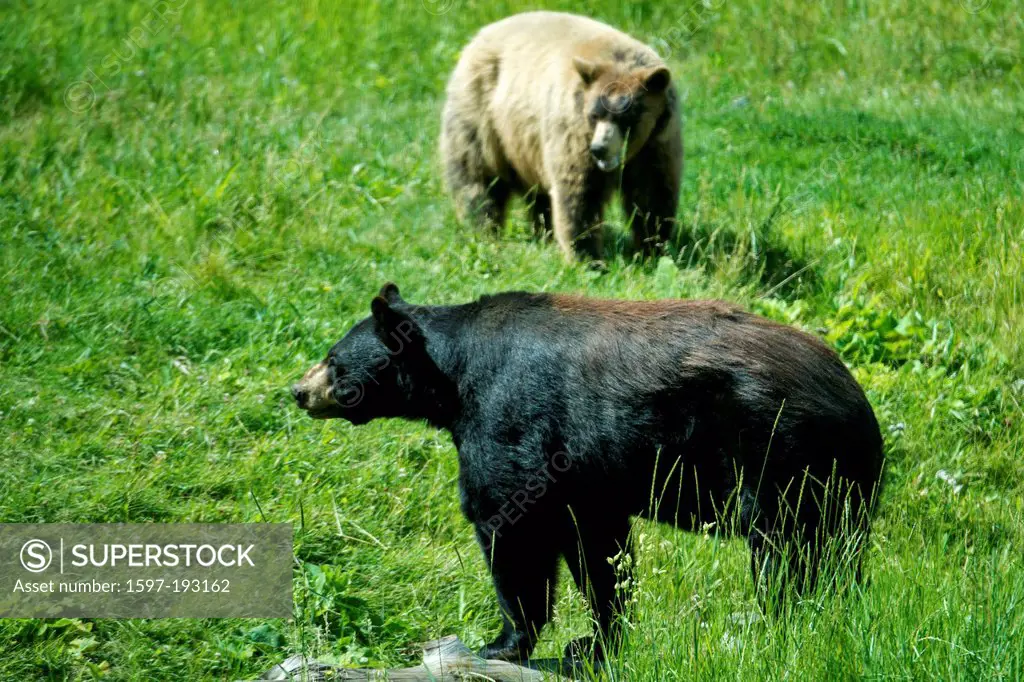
x,y
571,414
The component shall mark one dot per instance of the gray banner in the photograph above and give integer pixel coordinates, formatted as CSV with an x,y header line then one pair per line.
x,y
146,570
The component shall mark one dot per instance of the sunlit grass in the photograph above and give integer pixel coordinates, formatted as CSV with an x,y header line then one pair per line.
x,y
192,224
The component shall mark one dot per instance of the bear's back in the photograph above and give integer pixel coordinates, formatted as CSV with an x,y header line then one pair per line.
x,y
549,27
532,38
646,344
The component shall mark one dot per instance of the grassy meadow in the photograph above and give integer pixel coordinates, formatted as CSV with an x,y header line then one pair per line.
x,y
198,197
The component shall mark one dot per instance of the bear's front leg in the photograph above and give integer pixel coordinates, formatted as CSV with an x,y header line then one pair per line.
x,y
601,563
524,569
650,190
578,195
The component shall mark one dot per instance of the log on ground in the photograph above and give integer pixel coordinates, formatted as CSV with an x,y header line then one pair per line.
x,y
444,660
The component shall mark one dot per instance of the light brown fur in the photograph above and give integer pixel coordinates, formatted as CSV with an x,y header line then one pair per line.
x,y
315,386
516,118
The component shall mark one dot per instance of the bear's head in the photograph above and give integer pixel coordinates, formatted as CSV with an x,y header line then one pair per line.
x,y
380,368
622,104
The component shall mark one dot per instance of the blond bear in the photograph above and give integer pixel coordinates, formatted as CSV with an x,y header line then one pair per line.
x,y
565,110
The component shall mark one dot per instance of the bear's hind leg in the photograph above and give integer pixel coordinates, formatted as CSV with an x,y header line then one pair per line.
x,y
782,564
770,569
524,570
818,532
482,204
540,212
601,562
479,193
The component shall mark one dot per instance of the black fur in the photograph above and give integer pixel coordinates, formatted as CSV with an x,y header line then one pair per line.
x,y
650,186
570,415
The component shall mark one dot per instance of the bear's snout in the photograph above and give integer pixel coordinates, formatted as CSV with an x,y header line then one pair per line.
x,y
604,160
313,392
606,145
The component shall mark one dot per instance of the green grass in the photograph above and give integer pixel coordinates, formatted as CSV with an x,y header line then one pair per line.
x,y
232,190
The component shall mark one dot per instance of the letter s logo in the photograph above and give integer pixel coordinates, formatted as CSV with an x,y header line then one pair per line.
x,y
36,556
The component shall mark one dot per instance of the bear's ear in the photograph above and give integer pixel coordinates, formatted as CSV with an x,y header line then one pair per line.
x,y
395,328
588,70
657,79
389,292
